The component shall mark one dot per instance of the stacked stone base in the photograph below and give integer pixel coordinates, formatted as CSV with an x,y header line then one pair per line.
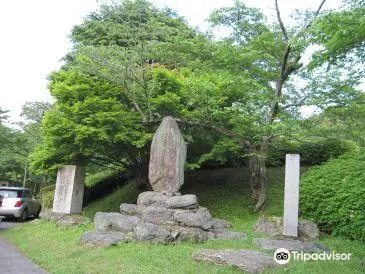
x,y
159,218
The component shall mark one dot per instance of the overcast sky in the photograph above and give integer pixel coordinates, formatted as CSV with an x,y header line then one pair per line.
x,y
34,37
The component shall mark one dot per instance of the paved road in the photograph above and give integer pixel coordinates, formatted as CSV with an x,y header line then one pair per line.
x,y
12,261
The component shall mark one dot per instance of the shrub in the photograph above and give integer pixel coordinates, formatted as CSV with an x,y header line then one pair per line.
x,y
333,195
312,152
48,196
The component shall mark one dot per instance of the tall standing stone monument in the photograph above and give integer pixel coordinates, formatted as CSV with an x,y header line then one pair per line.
x,y
167,158
291,195
69,190
162,215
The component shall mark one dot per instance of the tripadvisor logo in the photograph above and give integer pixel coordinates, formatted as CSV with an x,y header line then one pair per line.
x,y
282,256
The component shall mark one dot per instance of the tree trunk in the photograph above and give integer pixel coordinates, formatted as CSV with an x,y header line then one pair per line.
x,y
257,168
141,175
256,164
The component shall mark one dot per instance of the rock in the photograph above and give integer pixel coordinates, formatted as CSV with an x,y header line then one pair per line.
x,y
73,220
167,157
115,222
202,209
246,260
289,245
230,235
158,215
219,224
129,209
104,239
153,233
193,234
69,190
184,201
269,225
64,219
151,198
51,216
307,230
201,220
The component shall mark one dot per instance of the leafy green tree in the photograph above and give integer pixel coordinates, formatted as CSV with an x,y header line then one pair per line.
x,y
12,152
271,56
132,64
105,94
18,142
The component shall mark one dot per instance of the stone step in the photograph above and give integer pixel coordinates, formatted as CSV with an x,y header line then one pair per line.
x,y
289,245
246,260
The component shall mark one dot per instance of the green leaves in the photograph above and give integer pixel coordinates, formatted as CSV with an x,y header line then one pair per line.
x,y
341,36
246,23
333,195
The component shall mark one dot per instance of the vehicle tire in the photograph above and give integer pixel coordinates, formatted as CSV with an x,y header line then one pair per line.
x,y
24,216
36,215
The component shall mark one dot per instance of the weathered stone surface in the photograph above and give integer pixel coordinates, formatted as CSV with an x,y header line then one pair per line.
x,y
289,245
246,260
202,209
153,233
184,201
307,230
291,195
193,234
167,157
230,235
64,219
151,198
73,220
104,239
194,219
69,190
219,224
158,215
129,209
51,216
115,222
269,225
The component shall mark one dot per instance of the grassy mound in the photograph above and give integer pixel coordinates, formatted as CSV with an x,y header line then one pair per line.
x,y
110,203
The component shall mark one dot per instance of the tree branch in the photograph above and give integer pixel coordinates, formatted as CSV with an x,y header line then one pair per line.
x,y
224,131
280,21
315,15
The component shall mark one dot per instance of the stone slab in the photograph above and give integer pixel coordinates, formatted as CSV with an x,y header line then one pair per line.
x,y
147,232
290,245
104,239
167,157
291,195
188,201
230,235
148,198
69,190
246,260
273,226
113,221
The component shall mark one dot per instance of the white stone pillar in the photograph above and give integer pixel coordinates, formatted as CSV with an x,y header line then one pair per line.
x,y
291,195
69,190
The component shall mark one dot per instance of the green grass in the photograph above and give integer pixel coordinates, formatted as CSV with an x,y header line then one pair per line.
x,y
224,192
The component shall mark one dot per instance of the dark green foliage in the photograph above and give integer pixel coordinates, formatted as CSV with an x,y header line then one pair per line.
x,y
312,151
333,195
128,23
